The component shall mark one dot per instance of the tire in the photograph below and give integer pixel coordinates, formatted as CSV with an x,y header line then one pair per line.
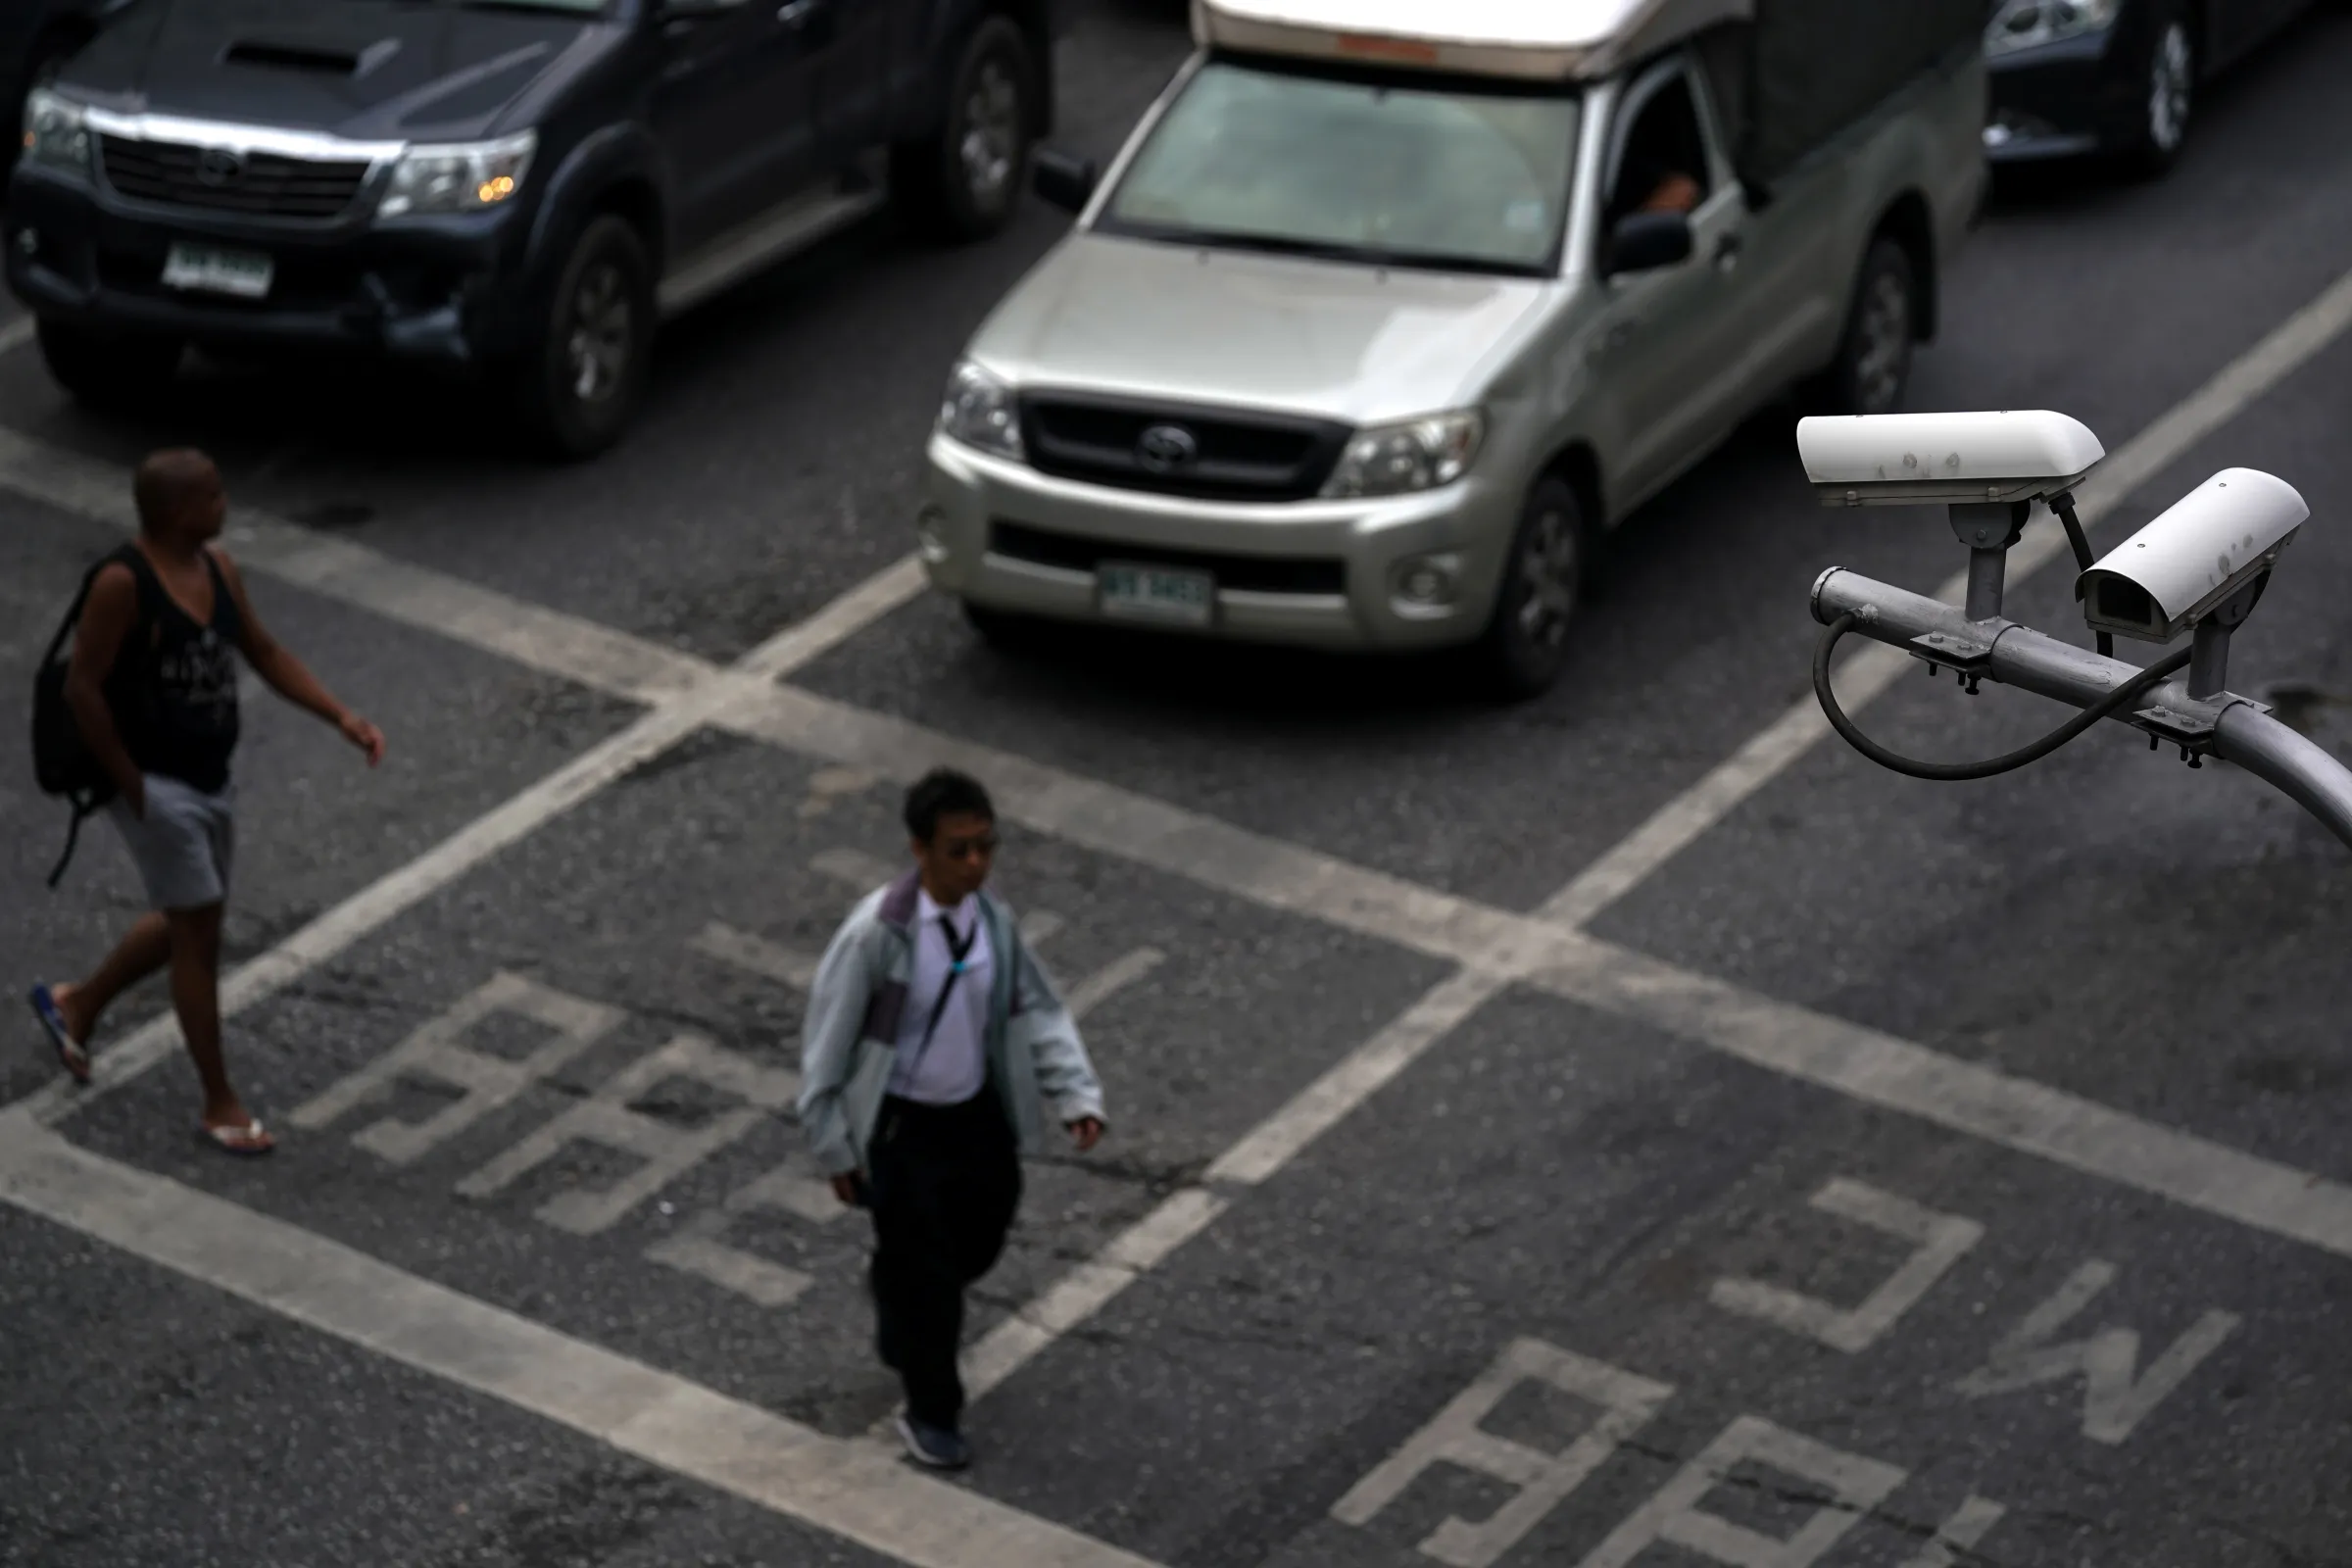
x,y
115,373
1525,647
1872,368
964,183
2168,96
584,374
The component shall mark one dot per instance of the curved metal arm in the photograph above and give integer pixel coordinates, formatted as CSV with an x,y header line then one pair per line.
x,y
2292,764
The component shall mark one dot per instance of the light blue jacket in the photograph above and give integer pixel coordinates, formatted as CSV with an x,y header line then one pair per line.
x,y
849,1039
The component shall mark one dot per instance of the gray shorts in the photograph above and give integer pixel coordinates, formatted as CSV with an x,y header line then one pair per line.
x,y
184,843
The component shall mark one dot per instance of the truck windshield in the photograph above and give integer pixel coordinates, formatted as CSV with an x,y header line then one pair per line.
x,y
1444,176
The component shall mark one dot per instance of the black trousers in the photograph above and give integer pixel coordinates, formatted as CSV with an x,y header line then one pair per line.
x,y
944,1181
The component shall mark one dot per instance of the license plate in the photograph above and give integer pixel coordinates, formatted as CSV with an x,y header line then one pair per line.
x,y
1157,593
242,273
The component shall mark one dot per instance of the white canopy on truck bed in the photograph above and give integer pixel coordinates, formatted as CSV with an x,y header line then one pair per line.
x,y
1790,72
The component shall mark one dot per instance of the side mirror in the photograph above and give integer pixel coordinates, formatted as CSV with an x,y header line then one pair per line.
x,y
1643,242
1063,180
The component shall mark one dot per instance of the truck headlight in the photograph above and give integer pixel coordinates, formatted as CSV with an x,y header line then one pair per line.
x,y
2026,23
979,410
56,134
457,177
1394,459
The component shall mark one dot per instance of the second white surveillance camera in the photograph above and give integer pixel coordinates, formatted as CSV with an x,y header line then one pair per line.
x,y
1882,460
2196,559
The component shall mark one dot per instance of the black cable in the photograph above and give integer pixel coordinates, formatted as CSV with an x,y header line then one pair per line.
x,y
1954,772
2063,504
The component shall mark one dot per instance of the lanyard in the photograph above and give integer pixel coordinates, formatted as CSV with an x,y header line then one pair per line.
x,y
960,951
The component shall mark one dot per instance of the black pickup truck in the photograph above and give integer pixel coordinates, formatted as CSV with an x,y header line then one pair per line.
x,y
520,190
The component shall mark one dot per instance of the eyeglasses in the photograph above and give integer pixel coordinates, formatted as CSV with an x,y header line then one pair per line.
x,y
980,847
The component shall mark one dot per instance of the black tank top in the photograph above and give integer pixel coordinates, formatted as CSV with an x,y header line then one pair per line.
x,y
173,689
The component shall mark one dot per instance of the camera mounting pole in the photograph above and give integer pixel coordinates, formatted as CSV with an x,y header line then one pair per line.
x,y
2209,645
1990,529
2234,728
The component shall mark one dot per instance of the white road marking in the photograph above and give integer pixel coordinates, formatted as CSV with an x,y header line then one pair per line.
x,y
847,1489
17,333
610,1119
2114,1398
1880,1069
859,869
1111,979
1183,1215
1679,823
756,954
437,1052
1539,1482
1968,1525
1086,1288
1855,1485
1938,1241
699,1250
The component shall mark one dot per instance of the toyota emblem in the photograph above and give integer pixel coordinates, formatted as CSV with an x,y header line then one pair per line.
x,y
218,165
1165,448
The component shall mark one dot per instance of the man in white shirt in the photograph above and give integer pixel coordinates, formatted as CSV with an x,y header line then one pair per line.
x,y
933,1048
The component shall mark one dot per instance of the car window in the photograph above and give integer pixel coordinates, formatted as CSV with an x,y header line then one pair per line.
x,y
1664,162
1440,177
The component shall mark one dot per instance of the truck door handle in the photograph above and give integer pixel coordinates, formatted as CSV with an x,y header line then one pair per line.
x,y
1727,252
1616,337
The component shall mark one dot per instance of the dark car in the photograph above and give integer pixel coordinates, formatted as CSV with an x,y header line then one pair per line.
x,y
516,188
2070,77
35,38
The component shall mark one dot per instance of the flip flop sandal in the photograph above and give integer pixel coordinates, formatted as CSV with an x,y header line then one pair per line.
x,y
246,1141
69,1050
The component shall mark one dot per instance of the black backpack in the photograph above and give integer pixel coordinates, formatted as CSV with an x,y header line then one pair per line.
x,y
61,764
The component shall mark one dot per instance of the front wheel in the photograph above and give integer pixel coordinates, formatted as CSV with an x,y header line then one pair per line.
x,y
584,375
964,183
107,372
1872,368
2168,95
1526,644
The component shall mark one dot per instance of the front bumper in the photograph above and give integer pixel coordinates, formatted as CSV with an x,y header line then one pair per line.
x,y
435,291
2064,100
1002,536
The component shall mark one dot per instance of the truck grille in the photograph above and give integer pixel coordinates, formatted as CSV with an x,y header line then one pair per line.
x,y
1219,455
253,185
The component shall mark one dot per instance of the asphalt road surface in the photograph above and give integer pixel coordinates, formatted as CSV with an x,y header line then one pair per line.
x,y
1617,1129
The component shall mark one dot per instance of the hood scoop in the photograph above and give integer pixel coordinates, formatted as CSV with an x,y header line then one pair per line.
x,y
308,60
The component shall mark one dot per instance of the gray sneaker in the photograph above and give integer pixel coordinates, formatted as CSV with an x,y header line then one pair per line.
x,y
934,1447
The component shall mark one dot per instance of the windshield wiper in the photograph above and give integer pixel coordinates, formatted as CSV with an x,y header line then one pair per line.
x,y
1334,251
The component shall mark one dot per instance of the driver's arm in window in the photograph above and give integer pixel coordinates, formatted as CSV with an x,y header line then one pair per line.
x,y
1665,157
1674,192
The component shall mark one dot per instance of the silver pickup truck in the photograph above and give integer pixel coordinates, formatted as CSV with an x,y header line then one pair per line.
x,y
1387,312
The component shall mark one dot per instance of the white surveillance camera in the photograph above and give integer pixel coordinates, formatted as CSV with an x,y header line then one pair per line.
x,y
2207,550
1897,460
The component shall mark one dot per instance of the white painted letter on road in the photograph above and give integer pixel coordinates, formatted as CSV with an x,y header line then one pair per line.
x,y
1938,1241
1543,1480
2113,1399
1855,1485
607,1117
437,1052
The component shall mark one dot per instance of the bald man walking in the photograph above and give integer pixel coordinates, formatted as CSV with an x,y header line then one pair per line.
x,y
153,688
